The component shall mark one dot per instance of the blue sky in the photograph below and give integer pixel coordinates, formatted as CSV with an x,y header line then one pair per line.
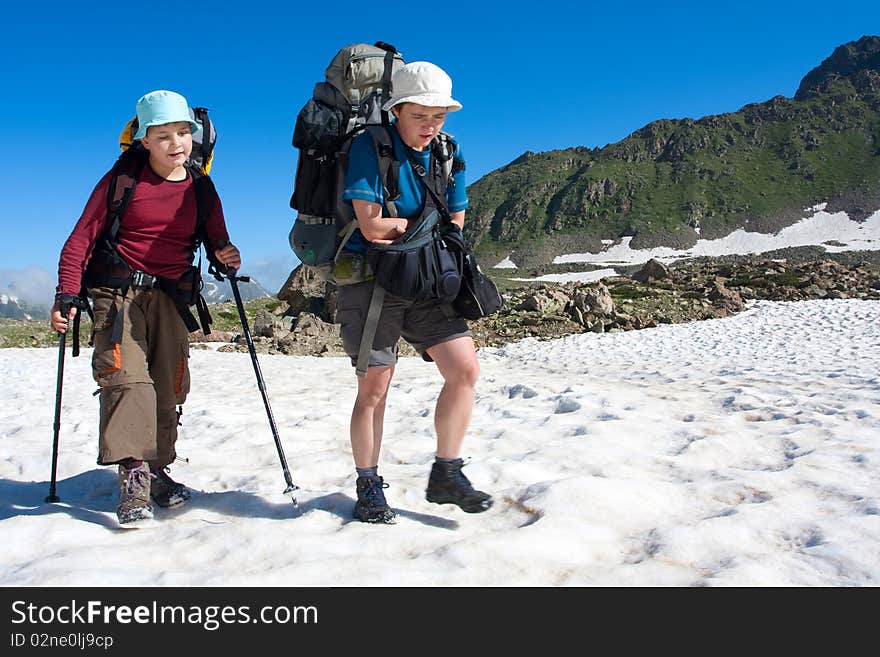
x,y
531,76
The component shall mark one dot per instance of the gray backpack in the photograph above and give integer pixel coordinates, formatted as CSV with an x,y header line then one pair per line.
x,y
357,84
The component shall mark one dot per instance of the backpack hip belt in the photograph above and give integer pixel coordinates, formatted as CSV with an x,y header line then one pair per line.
x,y
184,292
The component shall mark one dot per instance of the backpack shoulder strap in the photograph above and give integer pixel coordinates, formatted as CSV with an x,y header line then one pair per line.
x,y
126,171
446,152
206,197
389,167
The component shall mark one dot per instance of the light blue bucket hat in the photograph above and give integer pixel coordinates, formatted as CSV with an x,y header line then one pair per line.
x,y
161,107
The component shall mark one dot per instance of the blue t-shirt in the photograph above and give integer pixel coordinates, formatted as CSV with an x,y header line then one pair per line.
x,y
362,182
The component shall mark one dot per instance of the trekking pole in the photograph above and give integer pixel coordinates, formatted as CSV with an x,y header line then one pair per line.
x,y
233,277
62,342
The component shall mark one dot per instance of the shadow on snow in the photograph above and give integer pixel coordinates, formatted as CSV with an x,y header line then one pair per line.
x,y
92,497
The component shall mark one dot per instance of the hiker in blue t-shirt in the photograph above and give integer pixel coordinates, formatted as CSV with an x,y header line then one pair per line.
x,y
421,99
364,184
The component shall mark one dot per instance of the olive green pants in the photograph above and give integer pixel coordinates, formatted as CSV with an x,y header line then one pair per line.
x,y
143,375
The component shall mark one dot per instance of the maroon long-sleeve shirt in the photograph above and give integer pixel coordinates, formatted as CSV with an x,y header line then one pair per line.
x,y
155,234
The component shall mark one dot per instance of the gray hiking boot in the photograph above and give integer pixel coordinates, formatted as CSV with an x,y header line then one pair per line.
x,y
165,491
371,505
134,494
448,485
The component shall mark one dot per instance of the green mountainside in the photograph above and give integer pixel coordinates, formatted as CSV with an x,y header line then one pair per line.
x,y
674,181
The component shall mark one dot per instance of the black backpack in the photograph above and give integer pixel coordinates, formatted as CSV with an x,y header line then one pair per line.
x,y
349,100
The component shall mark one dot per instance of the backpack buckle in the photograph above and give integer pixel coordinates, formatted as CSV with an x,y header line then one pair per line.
x,y
143,279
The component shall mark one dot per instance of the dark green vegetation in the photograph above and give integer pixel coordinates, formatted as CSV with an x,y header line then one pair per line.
x,y
757,168
38,333
31,333
226,317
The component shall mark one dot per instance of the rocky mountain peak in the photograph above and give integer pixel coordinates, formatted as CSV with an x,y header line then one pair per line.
x,y
847,60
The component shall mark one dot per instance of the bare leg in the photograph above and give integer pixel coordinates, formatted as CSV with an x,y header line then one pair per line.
x,y
368,416
457,362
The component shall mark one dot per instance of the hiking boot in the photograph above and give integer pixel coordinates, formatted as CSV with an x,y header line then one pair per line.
x,y
448,485
371,505
165,491
134,493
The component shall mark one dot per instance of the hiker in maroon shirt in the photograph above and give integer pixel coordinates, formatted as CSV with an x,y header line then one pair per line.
x,y
141,288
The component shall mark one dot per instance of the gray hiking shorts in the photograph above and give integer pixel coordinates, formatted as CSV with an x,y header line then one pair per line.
x,y
423,324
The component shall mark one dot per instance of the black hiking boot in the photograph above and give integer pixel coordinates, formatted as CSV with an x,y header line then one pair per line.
x,y
165,491
371,505
448,485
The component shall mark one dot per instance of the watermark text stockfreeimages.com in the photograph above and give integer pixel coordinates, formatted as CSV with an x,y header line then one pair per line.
x,y
210,617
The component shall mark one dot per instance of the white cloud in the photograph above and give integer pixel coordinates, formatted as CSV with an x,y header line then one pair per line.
x,y
34,286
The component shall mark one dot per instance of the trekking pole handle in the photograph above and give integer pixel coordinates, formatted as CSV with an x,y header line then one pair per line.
x,y
224,270
66,302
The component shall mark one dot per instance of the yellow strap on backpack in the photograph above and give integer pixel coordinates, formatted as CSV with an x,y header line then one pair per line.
x,y
126,138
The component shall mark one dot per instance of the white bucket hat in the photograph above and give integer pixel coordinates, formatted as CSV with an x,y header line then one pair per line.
x,y
423,83
161,107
